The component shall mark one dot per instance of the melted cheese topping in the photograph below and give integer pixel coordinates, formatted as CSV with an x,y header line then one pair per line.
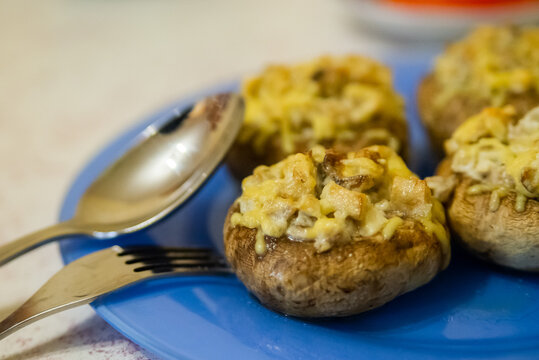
x,y
500,152
328,198
328,99
490,63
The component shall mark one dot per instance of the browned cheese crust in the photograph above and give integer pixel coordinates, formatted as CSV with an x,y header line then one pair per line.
x,y
294,279
441,123
505,236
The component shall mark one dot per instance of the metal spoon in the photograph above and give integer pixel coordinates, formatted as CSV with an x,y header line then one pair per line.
x,y
151,179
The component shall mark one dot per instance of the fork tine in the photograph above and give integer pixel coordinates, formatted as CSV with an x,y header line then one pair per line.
x,y
179,256
156,250
182,263
194,271
161,268
185,263
160,260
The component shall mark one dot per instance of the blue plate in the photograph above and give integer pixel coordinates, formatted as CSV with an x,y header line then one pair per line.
x,y
471,310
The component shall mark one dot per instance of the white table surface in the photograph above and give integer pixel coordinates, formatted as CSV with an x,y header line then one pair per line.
x,y
74,74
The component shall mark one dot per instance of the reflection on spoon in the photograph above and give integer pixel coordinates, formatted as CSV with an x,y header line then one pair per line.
x,y
151,179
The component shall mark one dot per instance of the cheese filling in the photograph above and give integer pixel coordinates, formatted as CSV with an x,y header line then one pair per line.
x,y
327,198
490,63
501,153
331,99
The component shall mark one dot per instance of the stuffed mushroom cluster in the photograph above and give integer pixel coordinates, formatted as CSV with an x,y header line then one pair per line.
x,y
481,104
331,222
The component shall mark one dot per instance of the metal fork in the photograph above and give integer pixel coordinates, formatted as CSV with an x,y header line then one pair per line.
x,y
102,272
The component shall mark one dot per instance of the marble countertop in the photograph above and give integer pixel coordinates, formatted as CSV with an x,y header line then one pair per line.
x,y
74,74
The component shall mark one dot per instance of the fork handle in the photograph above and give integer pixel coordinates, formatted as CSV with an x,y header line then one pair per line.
x,y
26,243
29,313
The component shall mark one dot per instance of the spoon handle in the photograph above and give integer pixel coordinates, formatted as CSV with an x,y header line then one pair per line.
x,y
26,243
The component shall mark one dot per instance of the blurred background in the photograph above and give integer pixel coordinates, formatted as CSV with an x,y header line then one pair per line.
x,y
75,73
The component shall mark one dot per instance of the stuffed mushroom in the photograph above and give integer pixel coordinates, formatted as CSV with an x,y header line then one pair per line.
x,y
345,102
492,66
326,233
493,165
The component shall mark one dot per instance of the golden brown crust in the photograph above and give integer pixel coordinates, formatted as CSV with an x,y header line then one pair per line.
x,y
294,279
505,236
441,123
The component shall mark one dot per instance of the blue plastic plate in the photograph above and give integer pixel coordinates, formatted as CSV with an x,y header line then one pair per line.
x,y
471,310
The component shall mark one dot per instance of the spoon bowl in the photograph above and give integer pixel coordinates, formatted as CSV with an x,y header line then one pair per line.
x,y
152,179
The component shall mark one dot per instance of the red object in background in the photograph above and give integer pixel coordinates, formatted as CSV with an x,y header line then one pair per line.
x,y
440,19
460,3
